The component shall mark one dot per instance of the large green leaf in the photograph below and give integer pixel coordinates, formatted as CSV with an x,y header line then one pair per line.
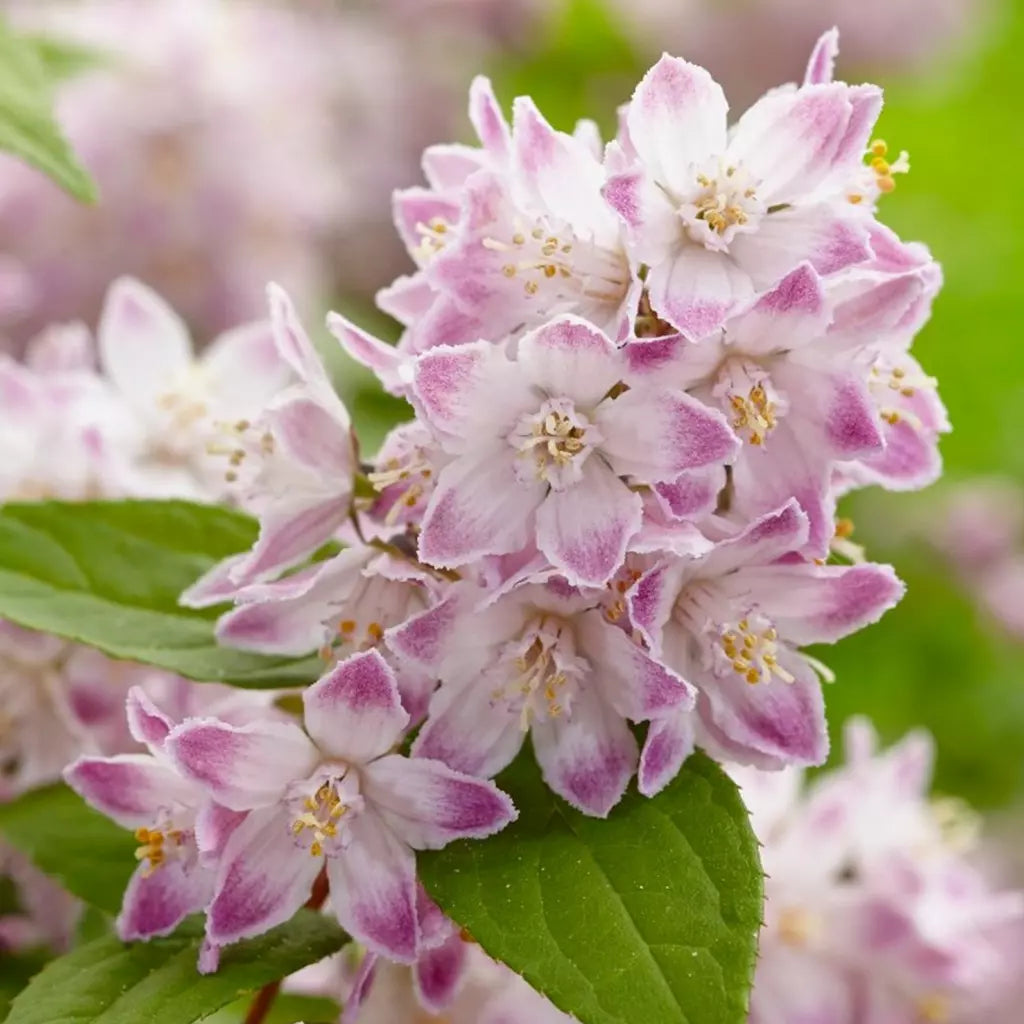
x,y
108,982
64,837
27,127
109,574
649,916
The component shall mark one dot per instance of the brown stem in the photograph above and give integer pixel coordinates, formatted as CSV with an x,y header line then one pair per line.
x,y
265,997
318,896
262,1003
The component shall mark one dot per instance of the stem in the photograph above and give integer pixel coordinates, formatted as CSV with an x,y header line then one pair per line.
x,y
262,1003
265,997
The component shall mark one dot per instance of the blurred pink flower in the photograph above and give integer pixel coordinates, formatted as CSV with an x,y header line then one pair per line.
x,y
232,143
750,45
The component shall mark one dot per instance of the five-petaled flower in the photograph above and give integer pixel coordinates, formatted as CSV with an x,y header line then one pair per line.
x,y
337,798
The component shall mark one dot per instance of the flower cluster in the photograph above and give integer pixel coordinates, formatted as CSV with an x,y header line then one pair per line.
x,y
876,907
641,374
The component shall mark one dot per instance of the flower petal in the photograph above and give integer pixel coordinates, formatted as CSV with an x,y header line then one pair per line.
x,y
569,357
315,435
130,788
784,240
438,972
146,722
466,389
289,532
423,639
588,756
263,878
245,766
696,289
373,889
693,494
427,804
468,731
635,684
677,118
487,119
156,902
814,604
292,341
479,507
792,139
773,723
143,344
355,711
821,66
245,369
768,537
669,742
564,174
654,434
584,530
386,361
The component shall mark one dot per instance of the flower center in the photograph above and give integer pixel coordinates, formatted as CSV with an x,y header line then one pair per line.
x,y
159,844
556,441
723,203
433,238
745,390
408,479
552,263
876,177
542,670
889,383
750,649
242,443
321,805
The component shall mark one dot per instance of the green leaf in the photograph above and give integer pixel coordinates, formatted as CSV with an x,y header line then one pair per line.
x,y
109,574
286,1009
64,837
649,916
15,973
27,127
108,982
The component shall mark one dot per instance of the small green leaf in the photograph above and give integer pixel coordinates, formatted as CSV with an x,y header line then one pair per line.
x,y
108,982
649,916
109,574
65,838
27,127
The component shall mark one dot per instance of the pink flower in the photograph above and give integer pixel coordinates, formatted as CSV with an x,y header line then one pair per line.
x,y
292,463
179,830
337,608
538,659
337,799
875,909
718,215
542,444
536,239
816,377
731,623
181,404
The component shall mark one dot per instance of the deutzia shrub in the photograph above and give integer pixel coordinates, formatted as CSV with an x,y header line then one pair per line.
x,y
449,714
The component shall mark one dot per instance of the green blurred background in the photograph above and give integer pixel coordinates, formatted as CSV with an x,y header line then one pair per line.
x,y
936,661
